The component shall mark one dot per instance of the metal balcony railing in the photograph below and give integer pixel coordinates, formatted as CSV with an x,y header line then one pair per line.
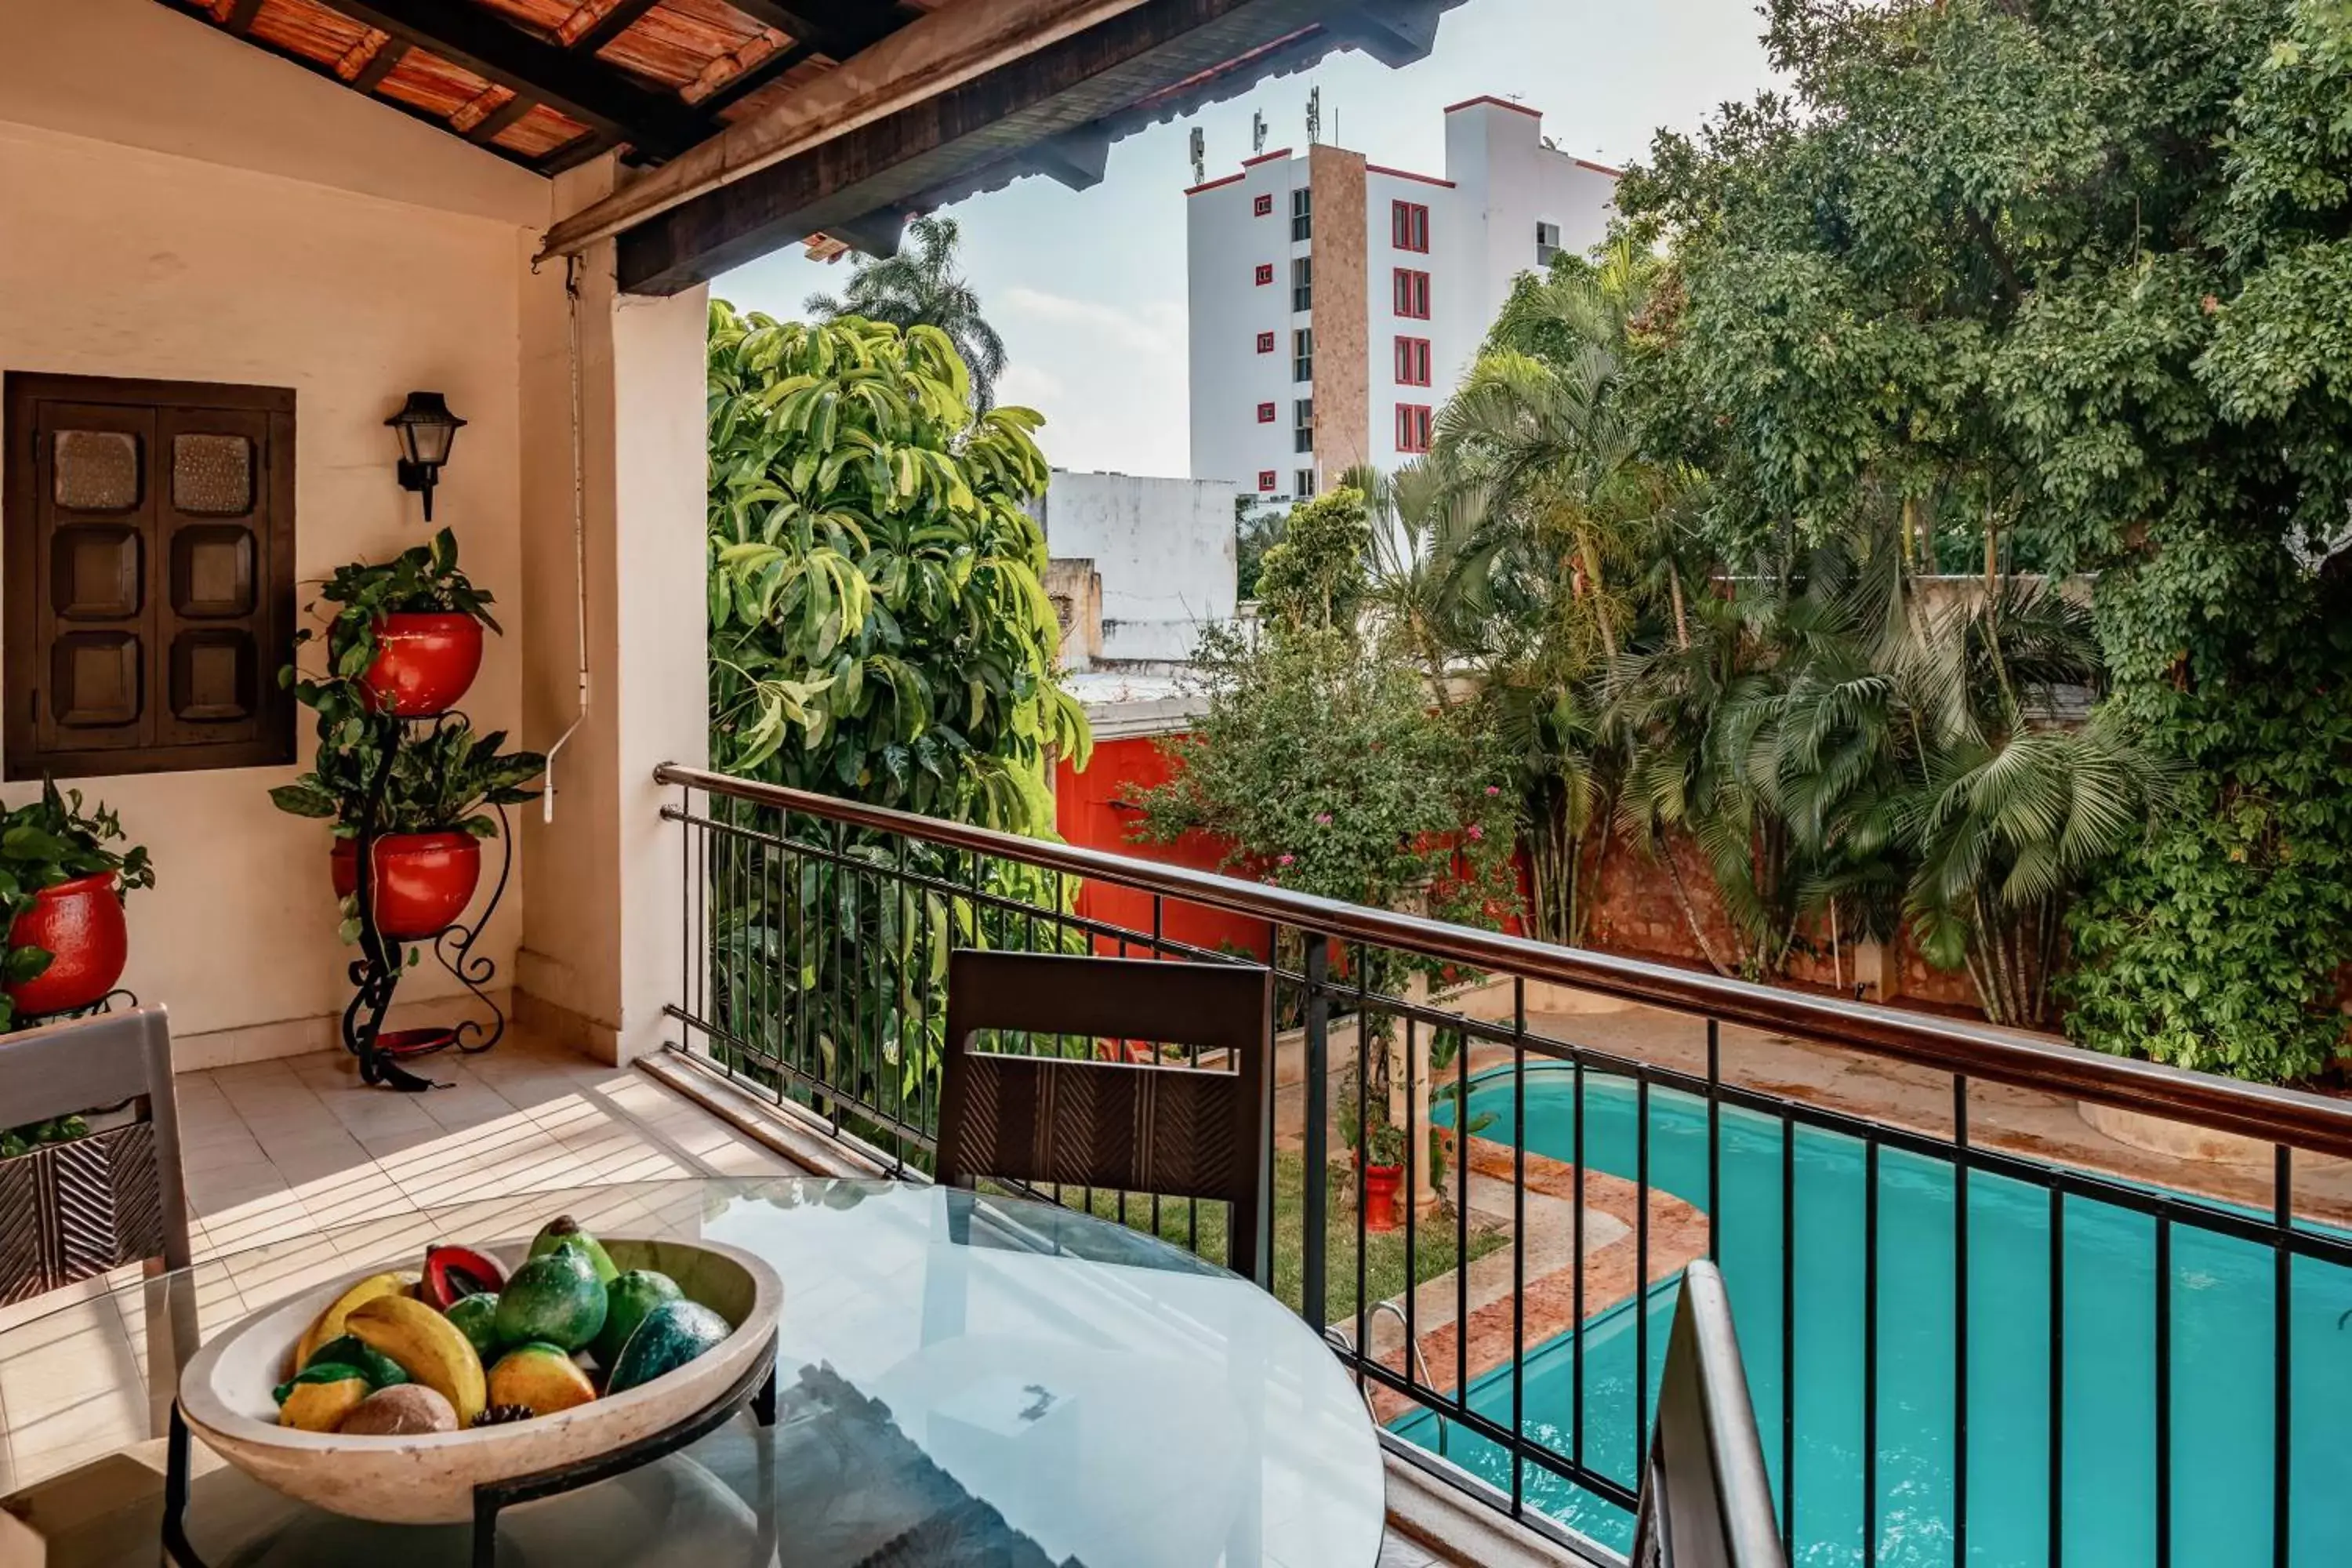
x,y
1967,1344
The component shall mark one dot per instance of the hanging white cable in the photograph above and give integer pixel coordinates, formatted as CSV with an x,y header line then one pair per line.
x,y
579,536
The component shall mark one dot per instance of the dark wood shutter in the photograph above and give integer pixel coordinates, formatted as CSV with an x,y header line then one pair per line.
x,y
150,575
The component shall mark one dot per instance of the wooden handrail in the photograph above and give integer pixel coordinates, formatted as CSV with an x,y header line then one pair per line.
x,y
2262,1111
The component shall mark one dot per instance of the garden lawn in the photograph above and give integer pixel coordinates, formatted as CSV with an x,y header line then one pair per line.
x,y
1384,1258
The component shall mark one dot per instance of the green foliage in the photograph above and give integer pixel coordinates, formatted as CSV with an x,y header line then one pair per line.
x,y
1314,576
920,287
1257,529
878,622
46,841
441,781
879,631
2073,277
1320,767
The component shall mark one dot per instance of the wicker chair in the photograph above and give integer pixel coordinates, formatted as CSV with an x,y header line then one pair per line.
x,y
1177,1132
68,1211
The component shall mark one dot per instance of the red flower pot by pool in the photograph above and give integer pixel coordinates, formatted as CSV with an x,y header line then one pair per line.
x,y
423,663
423,882
1381,1184
81,923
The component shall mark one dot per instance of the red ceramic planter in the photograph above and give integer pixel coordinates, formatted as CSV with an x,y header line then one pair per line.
x,y
1381,1184
423,882
81,923
423,663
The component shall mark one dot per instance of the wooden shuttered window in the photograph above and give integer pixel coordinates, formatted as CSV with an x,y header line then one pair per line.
x,y
149,542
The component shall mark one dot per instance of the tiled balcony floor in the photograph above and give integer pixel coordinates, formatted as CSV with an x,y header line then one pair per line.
x,y
279,1152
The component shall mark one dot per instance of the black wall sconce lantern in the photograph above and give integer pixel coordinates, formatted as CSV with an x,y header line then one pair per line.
x,y
427,430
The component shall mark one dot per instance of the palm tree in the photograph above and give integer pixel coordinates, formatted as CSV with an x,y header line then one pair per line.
x,y
921,288
1925,756
1547,535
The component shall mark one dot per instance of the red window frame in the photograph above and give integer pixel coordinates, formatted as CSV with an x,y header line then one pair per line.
x,y
1264,273
1413,361
1413,426
1266,342
1409,227
1266,480
1265,413
1263,207
1410,294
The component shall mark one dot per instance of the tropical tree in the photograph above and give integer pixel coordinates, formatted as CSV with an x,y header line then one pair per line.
x,y
879,630
1535,544
878,620
922,288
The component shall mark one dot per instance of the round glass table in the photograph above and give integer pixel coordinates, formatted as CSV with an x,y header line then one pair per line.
x,y
960,1379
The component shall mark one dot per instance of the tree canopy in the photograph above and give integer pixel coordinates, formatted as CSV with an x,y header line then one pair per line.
x,y
2069,277
923,288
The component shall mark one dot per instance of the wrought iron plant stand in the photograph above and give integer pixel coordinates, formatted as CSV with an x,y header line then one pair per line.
x,y
375,975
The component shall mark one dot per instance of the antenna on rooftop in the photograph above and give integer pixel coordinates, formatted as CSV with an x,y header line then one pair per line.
x,y
1257,132
1199,156
1314,115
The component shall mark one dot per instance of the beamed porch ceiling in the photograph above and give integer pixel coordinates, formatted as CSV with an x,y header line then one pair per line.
x,y
773,122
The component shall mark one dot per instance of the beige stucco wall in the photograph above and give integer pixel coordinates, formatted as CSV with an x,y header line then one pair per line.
x,y
602,935
253,223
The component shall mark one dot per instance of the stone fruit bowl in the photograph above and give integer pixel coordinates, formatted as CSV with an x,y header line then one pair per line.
x,y
429,1479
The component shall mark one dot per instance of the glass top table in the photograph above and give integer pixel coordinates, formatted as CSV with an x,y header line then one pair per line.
x,y
961,1378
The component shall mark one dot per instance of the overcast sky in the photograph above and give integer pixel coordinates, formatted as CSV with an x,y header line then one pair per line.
x,y
1087,288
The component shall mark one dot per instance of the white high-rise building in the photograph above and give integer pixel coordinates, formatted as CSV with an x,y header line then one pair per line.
x,y
1335,304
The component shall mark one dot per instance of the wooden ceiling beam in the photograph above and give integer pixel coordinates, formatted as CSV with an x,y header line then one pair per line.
x,y
240,17
888,163
744,83
485,129
594,94
612,24
380,64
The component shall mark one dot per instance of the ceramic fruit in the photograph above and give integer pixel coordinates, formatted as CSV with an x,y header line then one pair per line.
x,y
564,1231
400,1412
330,1323
380,1370
453,1273
542,1378
318,1400
627,1300
556,1297
672,1334
427,1348
397,1458
477,1316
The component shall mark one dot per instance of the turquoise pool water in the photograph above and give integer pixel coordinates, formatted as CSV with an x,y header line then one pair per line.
x,y
2222,1394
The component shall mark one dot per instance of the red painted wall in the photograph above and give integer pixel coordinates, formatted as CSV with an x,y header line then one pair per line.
x,y
1086,813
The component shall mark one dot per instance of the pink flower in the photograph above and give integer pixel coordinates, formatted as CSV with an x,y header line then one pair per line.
x,y
1476,831
1322,819
1493,790
1285,860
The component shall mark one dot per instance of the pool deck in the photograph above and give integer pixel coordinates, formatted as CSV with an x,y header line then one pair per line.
x,y
1542,1272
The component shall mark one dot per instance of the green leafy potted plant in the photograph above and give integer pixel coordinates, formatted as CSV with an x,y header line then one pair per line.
x,y
408,630
62,887
429,825
405,643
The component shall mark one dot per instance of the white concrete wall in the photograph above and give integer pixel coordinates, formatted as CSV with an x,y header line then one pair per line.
x,y
1510,181
253,223
1499,182
1164,548
1225,244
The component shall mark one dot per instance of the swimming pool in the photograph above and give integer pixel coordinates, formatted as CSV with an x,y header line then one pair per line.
x,y
2221,1366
